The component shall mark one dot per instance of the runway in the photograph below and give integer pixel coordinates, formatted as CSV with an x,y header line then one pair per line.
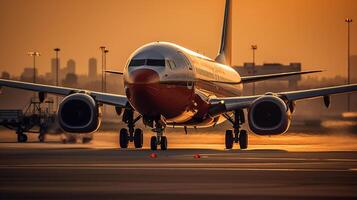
x,y
56,171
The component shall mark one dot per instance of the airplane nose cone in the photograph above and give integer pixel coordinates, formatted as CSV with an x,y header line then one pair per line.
x,y
151,98
142,90
144,76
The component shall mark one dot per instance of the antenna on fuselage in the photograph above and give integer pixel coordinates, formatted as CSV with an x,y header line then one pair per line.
x,y
225,51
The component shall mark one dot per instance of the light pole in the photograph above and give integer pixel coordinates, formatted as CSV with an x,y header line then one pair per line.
x,y
254,47
34,54
348,21
105,69
104,51
57,50
103,48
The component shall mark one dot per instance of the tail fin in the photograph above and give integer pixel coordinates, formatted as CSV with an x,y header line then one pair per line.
x,y
225,51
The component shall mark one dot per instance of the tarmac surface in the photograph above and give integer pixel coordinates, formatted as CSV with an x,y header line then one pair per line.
x,y
284,169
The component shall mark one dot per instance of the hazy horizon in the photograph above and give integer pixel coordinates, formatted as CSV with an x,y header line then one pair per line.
x,y
311,32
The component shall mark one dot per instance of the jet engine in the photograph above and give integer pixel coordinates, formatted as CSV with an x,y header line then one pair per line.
x,y
269,115
79,113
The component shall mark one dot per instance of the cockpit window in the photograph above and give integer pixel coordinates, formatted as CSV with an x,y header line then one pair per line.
x,y
155,62
136,62
149,62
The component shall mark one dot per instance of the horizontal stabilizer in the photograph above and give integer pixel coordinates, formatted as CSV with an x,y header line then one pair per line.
x,y
114,72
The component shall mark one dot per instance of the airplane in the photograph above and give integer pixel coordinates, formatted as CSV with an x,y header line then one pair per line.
x,y
169,85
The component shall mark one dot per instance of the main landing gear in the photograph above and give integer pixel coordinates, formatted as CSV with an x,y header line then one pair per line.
x,y
236,135
159,139
131,134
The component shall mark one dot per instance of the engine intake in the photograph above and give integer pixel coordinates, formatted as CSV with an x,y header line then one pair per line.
x,y
79,113
269,115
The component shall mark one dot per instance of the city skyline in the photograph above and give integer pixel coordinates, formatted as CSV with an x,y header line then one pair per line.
x,y
311,32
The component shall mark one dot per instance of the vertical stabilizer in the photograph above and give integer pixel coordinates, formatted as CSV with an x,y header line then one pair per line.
x,y
225,51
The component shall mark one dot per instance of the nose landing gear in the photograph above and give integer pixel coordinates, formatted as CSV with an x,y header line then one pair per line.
x,y
131,134
239,136
159,139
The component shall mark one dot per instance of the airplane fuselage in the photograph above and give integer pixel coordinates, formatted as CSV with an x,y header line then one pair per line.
x,y
165,80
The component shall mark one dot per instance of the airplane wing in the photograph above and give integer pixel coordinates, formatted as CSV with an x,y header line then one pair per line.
x,y
251,79
106,98
221,105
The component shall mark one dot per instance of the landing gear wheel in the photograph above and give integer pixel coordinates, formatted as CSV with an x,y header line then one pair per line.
x,y
243,139
124,138
138,138
41,138
163,144
153,143
21,138
71,139
86,140
229,139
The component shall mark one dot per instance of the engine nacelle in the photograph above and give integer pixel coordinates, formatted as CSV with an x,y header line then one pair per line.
x,y
79,113
269,115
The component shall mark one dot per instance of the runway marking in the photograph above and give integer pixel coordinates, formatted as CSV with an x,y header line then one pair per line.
x,y
211,167
225,156
195,169
159,164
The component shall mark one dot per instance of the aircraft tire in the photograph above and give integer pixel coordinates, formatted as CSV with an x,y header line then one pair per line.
x,y
229,139
243,139
123,138
138,138
163,144
153,143
21,138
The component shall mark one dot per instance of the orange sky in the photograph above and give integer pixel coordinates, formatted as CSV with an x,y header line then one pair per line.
x,y
309,31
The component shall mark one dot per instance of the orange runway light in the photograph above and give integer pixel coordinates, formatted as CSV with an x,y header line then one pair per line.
x,y
153,155
197,156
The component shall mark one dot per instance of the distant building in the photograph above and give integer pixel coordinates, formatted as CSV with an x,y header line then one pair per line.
x,y
27,74
248,69
71,66
92,68
5,75
54,68
69,69
71,80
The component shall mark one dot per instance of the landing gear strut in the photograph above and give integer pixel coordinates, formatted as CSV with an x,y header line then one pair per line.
x,y
159,139
236,135
130,134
